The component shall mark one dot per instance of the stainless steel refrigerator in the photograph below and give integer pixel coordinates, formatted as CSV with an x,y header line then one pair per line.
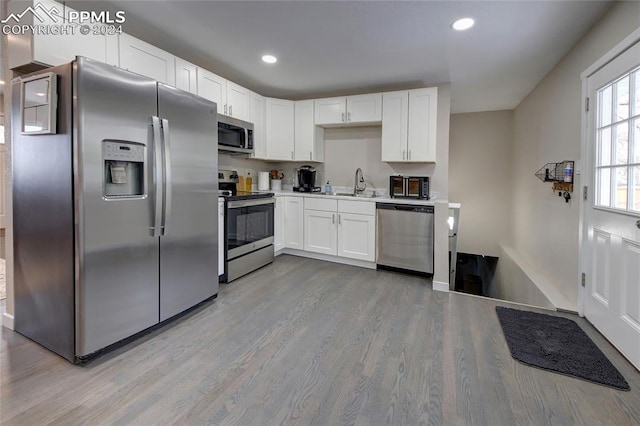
x,y
114,205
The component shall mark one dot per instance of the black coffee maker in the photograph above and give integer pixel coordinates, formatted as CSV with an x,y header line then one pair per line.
x,y
306,180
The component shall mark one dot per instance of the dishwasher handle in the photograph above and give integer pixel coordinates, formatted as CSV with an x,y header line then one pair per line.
x,y
404,207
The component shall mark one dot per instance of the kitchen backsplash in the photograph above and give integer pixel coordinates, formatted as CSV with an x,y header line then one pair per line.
x,y
346,149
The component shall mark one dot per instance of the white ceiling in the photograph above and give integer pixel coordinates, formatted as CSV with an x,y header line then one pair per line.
x,y
342,47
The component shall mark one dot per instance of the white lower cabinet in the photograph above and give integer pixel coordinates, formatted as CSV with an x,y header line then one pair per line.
x,y
357,236
344,228
220,237
294,222
278,225
320,232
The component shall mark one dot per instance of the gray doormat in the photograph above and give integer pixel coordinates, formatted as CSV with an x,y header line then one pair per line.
x,y
557,344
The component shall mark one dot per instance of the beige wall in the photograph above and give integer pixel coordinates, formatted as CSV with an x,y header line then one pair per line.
x,y
547,127
480,151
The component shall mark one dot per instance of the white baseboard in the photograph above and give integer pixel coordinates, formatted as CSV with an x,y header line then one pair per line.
x,y
329,258
440,286
7,321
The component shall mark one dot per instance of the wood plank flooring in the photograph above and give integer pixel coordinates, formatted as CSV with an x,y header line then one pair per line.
x,y
309,342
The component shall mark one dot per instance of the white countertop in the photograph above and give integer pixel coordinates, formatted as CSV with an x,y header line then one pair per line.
x,y
377,199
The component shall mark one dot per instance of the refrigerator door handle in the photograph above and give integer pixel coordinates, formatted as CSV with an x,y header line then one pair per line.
x,y
157,176
166,151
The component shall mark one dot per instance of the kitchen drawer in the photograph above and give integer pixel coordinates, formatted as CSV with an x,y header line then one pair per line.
x,y
357,207
314,203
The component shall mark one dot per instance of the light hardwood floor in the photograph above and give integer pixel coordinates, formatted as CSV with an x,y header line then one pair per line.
x,y
308,342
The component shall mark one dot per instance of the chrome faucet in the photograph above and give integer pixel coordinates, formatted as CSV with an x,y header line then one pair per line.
x,y
356,188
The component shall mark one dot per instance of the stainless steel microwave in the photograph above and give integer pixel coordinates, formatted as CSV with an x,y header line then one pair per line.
x,y
235,136
409,187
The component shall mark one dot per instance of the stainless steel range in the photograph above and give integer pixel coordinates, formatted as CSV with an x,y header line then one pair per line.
x,y
249,219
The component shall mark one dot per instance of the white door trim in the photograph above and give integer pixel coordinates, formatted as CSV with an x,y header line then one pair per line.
x,y
583,168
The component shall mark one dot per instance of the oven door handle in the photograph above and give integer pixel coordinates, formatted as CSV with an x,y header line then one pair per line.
x,y
236,204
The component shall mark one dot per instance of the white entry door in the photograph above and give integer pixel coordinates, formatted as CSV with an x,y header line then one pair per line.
x,y
612,214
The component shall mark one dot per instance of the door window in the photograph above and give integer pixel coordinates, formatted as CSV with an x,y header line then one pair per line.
x,y
617,166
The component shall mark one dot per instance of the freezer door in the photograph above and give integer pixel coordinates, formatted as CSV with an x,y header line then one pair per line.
x,y
118,258
189,241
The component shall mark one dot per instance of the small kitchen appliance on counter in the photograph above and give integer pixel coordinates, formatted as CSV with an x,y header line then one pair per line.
x,y
306,180
248,228
409,187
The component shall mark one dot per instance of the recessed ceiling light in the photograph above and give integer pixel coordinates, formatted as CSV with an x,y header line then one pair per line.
x,y
1,81
463,24
270,59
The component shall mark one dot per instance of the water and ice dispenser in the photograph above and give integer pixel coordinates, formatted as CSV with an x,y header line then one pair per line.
x,y
124,164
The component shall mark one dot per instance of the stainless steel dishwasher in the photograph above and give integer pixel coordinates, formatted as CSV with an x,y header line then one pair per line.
x,y
405,237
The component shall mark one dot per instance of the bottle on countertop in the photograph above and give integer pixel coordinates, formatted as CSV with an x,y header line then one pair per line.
x,y
327,188
248,182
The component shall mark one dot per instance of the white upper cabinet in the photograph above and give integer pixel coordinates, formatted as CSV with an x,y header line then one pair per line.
x,y
423,116
280,129
409,120
214,88
258,118
145,59
186,76
330,110
364,108
349,110
309,138
395,118
233,100
58,49
238,101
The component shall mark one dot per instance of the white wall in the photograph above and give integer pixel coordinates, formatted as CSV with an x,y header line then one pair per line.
x,y
516,282
480,151
547,129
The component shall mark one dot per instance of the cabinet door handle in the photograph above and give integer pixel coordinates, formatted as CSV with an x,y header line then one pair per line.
x,y
343,117
403,154
349,116
409,154
333,218
339,219
231,110
292,155
310,156
225,109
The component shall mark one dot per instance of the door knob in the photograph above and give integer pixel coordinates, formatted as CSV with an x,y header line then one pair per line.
x,y
638,224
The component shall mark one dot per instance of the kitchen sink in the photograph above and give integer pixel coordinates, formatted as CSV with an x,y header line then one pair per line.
x,y
343,194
